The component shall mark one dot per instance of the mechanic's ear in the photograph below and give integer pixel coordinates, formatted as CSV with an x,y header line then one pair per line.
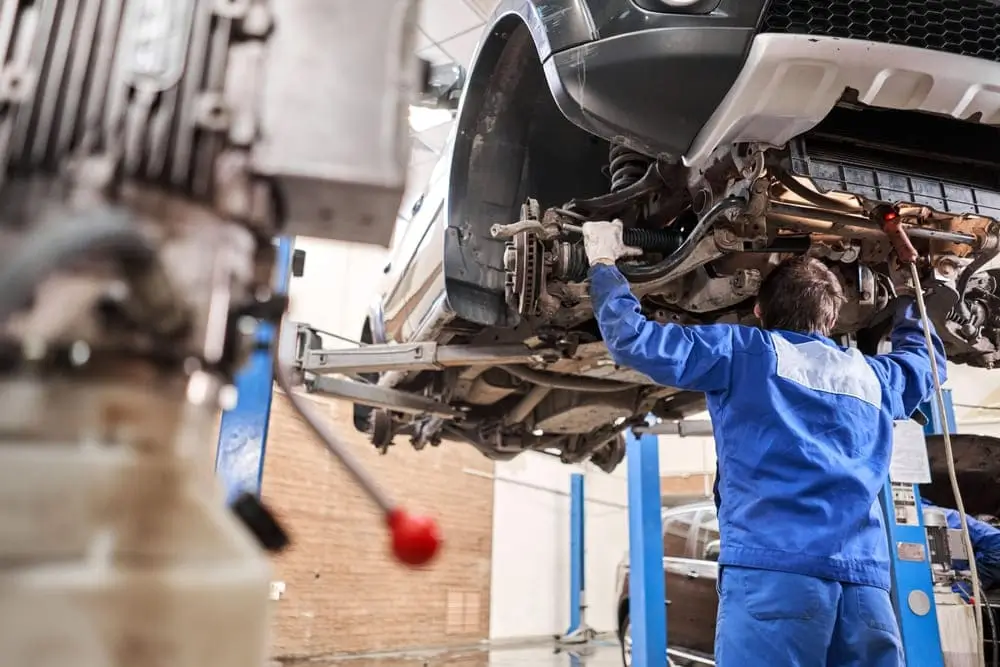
x,y
756,312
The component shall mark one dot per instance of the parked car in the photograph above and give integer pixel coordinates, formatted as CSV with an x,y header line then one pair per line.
x,y
690,569
691,552
726,135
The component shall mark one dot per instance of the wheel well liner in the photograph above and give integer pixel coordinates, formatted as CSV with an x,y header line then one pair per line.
x,y
512,141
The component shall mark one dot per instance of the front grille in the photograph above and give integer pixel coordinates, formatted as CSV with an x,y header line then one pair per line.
x,y
964,27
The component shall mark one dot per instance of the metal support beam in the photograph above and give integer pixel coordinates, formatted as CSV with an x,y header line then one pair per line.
x,y
685,428
913,589
647,592
239,460
417,357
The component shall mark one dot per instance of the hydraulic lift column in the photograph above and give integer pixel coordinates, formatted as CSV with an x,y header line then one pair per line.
x,y
913,591
239,459
647,590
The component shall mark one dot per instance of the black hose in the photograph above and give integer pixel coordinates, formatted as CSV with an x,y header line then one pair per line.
x,y
705,222
569,383
51,246
962,285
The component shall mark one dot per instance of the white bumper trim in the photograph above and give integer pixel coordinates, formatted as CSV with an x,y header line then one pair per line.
x,y
789,83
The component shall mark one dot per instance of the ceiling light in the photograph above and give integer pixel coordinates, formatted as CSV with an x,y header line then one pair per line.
x,y
422,118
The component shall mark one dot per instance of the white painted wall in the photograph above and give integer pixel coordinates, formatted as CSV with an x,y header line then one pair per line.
x,y
531,546
339,283
975,387
686,456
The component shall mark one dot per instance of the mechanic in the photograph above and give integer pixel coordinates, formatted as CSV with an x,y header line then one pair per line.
x,y
985,545
803,433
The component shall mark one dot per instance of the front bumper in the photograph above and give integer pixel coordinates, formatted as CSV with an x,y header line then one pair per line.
x,y
790,83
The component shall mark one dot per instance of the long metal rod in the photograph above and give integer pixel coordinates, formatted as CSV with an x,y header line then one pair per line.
x,y
332,441
381,358
807,218
950,460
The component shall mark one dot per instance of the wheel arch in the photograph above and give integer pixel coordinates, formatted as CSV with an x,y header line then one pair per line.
x,y
507,106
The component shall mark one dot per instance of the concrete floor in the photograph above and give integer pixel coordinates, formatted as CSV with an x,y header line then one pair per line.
x,y
602,653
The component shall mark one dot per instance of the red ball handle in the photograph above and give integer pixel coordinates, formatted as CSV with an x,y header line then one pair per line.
x,y
415,539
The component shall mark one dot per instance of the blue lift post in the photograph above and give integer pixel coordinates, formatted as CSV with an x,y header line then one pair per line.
x,y
647,591
239,460
913,594
577,596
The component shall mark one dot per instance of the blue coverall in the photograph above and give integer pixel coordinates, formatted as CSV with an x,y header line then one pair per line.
x,y
803,436
985,545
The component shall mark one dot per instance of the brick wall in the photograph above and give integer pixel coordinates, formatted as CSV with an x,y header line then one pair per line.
x,y
342,591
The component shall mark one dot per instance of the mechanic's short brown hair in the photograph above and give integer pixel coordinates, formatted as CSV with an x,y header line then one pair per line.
x,y
801,294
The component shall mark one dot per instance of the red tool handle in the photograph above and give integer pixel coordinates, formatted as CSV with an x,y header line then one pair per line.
x,y
888,218
415,539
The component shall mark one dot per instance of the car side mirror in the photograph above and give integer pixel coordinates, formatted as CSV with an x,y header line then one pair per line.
x,y
712,551
443,86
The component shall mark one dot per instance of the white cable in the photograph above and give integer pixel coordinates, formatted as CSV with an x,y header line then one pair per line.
x,y
950,460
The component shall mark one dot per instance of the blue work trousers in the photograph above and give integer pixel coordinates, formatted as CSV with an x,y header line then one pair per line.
x,y
778,619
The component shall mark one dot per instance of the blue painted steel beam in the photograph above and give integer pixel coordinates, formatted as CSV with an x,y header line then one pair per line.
x,y
647,591
239,459
577,549
936,422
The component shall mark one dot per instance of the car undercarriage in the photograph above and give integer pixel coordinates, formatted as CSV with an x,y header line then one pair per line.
x,y
817,167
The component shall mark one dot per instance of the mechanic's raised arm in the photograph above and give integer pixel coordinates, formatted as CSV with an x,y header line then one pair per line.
x,y
906,371
687,357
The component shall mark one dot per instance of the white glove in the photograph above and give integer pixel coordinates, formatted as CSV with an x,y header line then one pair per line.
x,y
604,244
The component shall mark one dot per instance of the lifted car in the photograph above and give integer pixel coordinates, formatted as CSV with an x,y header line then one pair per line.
x,y
726,135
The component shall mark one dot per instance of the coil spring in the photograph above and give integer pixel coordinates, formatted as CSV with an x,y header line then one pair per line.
x,y
968,313
626,167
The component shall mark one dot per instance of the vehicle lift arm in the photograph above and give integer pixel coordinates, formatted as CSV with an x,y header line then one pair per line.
x,y
316,367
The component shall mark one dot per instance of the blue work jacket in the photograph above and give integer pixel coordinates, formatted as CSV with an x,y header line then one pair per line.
x,y
803,429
